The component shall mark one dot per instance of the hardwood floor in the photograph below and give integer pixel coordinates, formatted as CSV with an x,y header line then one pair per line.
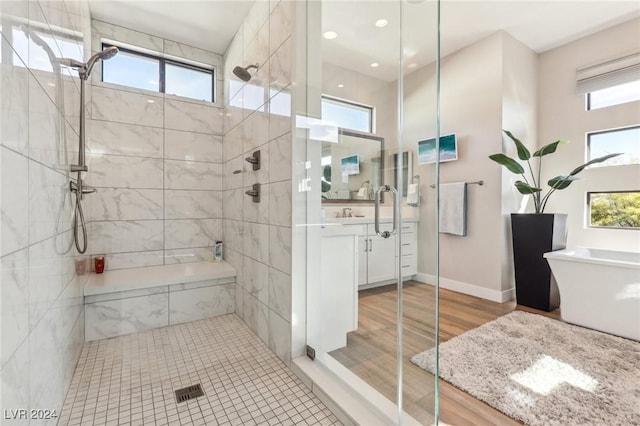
x,y
371,349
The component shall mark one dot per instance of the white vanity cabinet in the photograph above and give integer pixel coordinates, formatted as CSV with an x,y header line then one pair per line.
x,y
377,256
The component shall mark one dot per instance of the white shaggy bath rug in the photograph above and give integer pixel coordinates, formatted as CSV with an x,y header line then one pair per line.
x,y
544,372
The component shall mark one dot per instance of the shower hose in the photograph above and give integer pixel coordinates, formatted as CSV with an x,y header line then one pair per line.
x,y
78,213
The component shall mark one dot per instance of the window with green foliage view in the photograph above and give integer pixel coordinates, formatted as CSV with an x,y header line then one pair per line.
x,y
614,209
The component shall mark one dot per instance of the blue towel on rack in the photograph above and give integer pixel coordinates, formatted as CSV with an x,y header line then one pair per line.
x,y
453,208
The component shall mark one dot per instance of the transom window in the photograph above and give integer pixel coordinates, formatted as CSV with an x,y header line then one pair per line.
x,y
347,115
149,72
615,95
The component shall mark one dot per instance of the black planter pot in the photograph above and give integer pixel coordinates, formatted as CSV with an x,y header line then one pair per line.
x,y
534,235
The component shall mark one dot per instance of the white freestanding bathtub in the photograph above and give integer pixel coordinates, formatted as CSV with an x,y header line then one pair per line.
x,y
599,289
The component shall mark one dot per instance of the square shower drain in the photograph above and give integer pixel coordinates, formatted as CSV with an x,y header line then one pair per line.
x,y
190,392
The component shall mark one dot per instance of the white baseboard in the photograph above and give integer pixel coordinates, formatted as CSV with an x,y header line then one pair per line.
x,y
467,288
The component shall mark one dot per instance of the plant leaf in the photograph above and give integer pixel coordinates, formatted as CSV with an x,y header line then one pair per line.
x,y
523,152
594,161
523,188
508,162
549,149
561,182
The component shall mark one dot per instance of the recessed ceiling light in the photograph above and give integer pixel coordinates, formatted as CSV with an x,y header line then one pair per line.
x,y
374,65
341,85
380,23
412,65
330,35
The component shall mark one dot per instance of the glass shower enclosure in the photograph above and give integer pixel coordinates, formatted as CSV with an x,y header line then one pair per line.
x,y
365,209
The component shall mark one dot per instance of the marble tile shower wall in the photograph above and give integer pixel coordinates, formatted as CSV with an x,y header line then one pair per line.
x,y
258,117
157,163
41,302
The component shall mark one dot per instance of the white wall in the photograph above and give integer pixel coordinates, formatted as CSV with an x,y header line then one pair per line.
x,y
472,108
257,236
562,115
156,160
519,107
41,311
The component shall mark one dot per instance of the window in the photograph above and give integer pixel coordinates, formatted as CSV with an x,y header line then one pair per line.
x,y
625,140
610,83
615,95
149,72
614,209
347,115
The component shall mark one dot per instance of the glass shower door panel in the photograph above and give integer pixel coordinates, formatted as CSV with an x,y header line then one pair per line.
x,y
357,276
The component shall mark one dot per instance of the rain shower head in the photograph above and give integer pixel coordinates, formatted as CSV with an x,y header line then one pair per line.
x,y
243,73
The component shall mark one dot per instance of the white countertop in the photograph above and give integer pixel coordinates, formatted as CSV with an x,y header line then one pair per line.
x,y
155,276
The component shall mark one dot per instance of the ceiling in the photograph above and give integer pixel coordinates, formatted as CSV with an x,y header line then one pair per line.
x,y
541,25
207,24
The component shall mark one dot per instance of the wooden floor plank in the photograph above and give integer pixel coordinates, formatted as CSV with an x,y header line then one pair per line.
x,y
371,349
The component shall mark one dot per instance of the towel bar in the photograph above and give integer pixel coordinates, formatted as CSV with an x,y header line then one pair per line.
x,y
478,182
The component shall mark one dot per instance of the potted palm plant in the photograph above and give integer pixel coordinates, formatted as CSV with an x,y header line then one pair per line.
x,y
537,233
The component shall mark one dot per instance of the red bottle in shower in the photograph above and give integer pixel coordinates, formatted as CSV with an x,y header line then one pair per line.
x,y
99,264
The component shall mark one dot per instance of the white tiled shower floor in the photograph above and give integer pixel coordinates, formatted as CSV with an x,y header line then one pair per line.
x,y
130,380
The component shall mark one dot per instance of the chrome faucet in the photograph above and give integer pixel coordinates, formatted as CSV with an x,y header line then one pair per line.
x,y
347,212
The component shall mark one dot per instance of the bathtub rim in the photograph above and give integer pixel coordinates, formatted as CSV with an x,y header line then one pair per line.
x,y
581,255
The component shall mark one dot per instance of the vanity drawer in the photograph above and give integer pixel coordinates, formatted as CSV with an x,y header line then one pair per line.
x,y
408,245
408,228
409,264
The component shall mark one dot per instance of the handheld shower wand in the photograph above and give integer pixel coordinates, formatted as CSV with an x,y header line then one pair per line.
x,y
78,187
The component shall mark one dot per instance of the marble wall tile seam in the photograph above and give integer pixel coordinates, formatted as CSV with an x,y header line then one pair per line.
x,y
274,93
192,190
177,288
53,304
288,321
190,161
92,302
136,220
262,262
128,89
154,188
287,133
65,78
194,131
94,154
101,120
167,251
116,27
213,105
24,341
256,34
159,96
226,131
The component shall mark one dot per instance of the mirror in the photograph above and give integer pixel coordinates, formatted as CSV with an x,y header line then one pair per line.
x,y
352,167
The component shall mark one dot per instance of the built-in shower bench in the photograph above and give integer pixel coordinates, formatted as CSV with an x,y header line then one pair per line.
x,y
129,300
